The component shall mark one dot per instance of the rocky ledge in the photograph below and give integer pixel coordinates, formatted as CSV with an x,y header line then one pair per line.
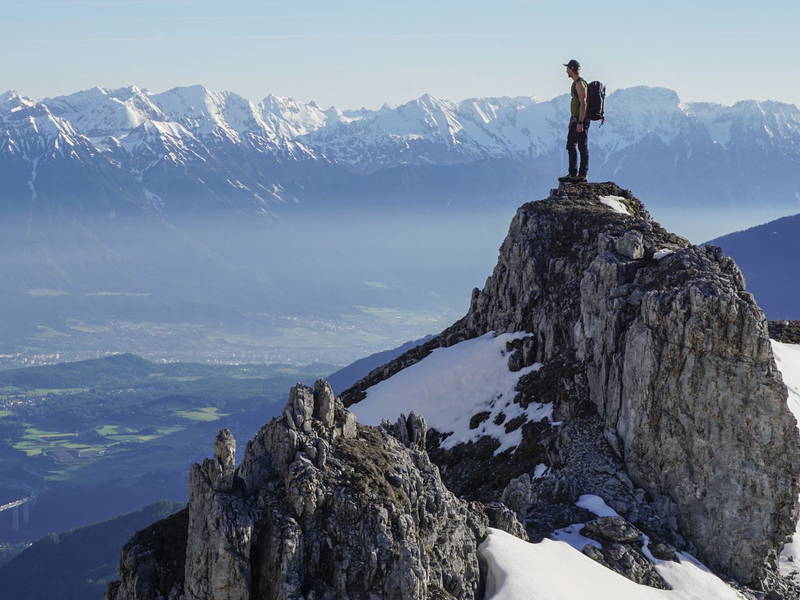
x,y
319,508
785,331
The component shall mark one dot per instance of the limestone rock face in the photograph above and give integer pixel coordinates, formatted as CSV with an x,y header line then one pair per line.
x,y
322,508
676,356
152,562
220,528
663,341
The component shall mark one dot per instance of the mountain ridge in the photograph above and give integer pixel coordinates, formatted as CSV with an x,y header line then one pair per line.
x,y
222,148
79,562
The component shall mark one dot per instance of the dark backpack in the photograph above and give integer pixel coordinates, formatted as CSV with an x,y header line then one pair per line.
x,y
595,101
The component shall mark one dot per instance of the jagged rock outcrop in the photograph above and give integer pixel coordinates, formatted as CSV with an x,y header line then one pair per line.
x,y
787,332
322,508
622,550
661,339
220,528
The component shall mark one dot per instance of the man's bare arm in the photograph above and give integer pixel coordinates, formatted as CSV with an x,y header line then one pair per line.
x,y
581,91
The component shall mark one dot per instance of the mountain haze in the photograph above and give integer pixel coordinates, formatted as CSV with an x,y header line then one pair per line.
x,y
128,213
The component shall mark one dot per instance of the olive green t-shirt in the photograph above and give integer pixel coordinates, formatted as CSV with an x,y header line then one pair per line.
x,y
575,105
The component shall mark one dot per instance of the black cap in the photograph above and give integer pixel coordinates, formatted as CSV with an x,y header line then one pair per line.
x,y
573,64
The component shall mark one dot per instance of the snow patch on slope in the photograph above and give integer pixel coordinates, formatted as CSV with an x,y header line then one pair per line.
x,y
596,505
571,533
787,357
664,252
451,385
541,471
616,204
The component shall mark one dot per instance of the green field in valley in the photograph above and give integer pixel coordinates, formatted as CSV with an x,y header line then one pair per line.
x,y
123,415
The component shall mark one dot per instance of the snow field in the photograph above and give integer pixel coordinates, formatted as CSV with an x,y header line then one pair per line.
x,y
451,385
558,570
552,570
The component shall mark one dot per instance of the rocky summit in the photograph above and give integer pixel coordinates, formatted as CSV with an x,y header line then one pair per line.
x,y
661,428
658,363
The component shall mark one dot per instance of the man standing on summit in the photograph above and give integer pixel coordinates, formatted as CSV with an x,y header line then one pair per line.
x,y
578,126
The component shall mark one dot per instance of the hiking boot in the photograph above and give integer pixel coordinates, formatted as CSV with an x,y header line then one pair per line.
x,y
579,179
567,178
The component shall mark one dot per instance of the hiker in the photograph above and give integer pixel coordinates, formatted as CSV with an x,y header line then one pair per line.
x,y
578,126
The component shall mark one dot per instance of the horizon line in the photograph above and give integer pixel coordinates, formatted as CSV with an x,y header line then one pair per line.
x,y
387,104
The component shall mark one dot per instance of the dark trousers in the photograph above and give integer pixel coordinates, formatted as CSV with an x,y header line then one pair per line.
x,y
580,140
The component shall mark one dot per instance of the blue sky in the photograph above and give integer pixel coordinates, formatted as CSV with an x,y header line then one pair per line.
x,y
352,53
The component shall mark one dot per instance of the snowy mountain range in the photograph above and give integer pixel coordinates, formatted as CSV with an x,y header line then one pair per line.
x,y
190,147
